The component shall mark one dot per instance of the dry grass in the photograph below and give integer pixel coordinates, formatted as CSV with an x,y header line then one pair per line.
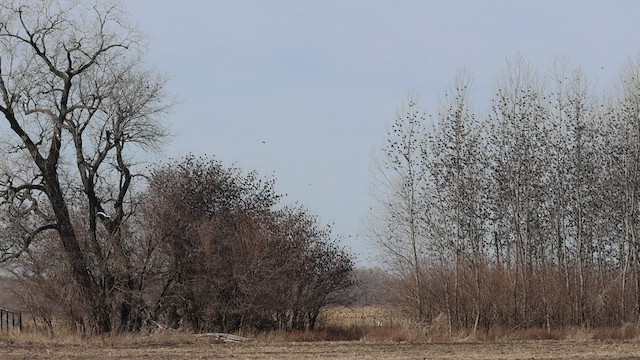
x,y
387,324
327,333
366,324
625,332
498,333
365,316
394,340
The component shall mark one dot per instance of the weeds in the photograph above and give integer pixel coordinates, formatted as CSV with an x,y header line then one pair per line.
x,y
336,328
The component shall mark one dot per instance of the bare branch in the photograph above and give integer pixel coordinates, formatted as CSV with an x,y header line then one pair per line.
x,y
7,255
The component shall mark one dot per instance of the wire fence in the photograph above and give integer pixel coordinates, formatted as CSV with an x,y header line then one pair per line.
x,y
10,321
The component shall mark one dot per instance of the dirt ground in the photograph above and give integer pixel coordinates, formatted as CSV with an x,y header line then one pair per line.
x,y
546,349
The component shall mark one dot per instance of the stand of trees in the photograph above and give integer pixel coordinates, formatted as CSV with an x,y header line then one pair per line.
x,y
525,216
202,248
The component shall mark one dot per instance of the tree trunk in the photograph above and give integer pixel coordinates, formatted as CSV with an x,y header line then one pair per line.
x,y
89,288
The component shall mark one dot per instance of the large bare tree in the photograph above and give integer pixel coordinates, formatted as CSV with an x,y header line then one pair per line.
x,y
77,102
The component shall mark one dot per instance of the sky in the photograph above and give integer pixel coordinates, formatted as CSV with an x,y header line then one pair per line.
x,y
304,90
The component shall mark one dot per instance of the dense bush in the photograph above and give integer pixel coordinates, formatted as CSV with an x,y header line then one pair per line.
x,y
228,260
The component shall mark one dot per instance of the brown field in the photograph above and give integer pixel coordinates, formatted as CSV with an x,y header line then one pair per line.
x,y
538,349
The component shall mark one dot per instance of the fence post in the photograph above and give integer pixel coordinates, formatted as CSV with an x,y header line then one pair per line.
x,y
12,324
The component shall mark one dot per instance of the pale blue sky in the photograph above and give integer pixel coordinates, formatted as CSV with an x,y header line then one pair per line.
x,y
318,81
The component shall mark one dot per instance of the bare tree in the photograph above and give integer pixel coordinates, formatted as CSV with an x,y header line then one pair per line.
x,y
516,137
458,171
623,117
399,227
573,150
78,102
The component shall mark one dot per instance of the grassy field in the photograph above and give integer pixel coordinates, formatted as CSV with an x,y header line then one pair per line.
x,y
547,349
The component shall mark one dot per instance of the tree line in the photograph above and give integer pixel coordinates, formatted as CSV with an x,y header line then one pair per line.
x,y
525,215
101,240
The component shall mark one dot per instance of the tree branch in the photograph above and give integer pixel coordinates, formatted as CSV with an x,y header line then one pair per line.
x,y
27,242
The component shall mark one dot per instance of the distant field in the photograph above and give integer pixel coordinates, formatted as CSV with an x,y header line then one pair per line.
x,y
333,350
362,316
